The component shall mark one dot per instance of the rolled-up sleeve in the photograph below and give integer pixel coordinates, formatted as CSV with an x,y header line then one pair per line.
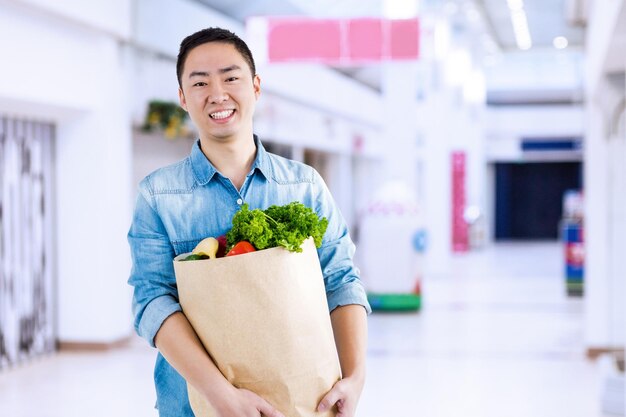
x,y
155,295
343,285
341,277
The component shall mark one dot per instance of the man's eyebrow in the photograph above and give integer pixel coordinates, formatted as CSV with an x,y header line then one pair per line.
x,y
221,71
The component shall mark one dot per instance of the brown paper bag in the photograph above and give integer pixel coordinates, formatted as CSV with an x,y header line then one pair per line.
x,y
263,318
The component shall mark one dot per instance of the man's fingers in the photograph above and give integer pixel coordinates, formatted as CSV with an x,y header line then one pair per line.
x,y
262,406
329,400
267,410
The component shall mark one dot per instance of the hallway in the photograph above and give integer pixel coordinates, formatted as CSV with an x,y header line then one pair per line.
x,y
497,337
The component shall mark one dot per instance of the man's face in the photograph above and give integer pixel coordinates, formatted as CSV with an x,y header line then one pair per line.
x,y
219,92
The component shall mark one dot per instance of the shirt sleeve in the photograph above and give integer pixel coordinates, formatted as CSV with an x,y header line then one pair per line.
x,y
341,277
155,295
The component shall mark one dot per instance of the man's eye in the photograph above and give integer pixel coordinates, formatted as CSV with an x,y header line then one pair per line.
x,y
199,84
230,79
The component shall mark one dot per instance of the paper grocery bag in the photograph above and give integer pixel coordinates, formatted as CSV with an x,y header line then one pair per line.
x,y
263,318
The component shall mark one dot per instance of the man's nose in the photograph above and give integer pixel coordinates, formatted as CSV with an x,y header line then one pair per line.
x,y
217,94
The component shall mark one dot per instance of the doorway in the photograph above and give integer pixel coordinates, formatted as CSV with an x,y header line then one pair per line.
x,y
529,195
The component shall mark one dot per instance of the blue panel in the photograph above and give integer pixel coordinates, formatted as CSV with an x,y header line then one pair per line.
x,y
569,144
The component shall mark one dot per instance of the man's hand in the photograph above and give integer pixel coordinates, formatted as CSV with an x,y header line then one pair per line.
x,y
180,345
345,394
350,329
244,403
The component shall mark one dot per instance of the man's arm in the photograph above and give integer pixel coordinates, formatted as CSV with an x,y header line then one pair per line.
x,y
179,344
350,330
158,316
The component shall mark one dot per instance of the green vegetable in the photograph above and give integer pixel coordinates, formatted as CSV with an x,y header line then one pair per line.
x,y
287,226
196,257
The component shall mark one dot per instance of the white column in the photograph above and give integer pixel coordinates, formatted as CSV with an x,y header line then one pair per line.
x,y
399,84
596,299
94,205
437,184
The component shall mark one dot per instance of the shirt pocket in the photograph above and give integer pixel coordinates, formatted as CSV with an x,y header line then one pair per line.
x,y
184,246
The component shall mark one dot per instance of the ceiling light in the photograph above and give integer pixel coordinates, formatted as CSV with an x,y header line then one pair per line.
x,y
560,42
520,24
400,9
458,67
441,39
515,4
474,88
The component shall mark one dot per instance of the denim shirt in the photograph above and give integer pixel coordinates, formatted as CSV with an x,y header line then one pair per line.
x,y
181,204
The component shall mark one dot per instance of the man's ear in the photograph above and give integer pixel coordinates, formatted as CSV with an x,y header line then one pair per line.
x,y
256,82
181,98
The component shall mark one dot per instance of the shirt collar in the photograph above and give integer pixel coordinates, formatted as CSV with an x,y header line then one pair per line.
x,y
204,170
262,161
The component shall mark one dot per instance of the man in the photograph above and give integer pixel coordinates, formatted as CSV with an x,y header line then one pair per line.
x,y
181,204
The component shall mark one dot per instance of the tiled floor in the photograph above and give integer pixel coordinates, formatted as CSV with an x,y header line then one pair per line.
x,y
497,337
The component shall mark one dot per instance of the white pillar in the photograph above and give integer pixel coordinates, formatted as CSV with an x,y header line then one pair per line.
x,y
437,184
94,206
597,317
399,84
341,184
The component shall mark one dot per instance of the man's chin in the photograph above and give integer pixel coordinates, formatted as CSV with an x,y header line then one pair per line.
x,y
220,138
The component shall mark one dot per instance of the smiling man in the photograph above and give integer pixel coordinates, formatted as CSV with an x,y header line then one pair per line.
x,y
179,205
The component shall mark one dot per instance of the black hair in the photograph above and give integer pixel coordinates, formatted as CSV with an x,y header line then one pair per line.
x,y
213,34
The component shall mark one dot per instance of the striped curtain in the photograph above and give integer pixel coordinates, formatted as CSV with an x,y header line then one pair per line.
x,y
27,325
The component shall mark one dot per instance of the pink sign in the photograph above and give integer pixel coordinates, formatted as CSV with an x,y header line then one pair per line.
x,y
365,39
342,41
403,32
460,238
304,39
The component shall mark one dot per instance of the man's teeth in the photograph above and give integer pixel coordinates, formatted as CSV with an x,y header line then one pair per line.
x,y
221,114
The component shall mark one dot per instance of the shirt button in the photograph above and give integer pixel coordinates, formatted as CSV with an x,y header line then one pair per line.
x,y
239,201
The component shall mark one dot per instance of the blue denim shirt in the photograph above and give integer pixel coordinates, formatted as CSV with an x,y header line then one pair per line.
x,y
181,204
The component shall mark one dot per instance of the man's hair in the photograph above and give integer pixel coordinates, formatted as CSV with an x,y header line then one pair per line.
x,y
213,34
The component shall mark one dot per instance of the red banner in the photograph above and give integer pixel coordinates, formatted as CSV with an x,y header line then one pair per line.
x,y
460,237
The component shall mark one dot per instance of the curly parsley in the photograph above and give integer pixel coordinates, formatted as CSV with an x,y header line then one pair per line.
x,y
287,226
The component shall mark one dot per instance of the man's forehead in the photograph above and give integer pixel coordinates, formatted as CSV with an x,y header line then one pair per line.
x,y
224,70
214,56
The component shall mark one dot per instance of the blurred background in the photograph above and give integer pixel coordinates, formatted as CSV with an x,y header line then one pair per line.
x,y
476,148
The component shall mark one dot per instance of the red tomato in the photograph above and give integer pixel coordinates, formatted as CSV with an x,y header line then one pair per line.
x,y
241,247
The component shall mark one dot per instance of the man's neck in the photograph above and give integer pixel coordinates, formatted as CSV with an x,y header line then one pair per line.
x,y
233,159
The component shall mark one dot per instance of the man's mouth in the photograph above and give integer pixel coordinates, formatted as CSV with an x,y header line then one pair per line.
x,y
219,115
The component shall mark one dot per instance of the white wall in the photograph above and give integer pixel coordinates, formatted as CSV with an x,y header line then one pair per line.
x,y
73,72
535,121
438,187
112,17
505,127
542,72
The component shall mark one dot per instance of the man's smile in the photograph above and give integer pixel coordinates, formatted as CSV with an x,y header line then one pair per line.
x,y
222,114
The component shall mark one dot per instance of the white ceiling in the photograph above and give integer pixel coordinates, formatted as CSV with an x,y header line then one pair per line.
x,y
546,20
